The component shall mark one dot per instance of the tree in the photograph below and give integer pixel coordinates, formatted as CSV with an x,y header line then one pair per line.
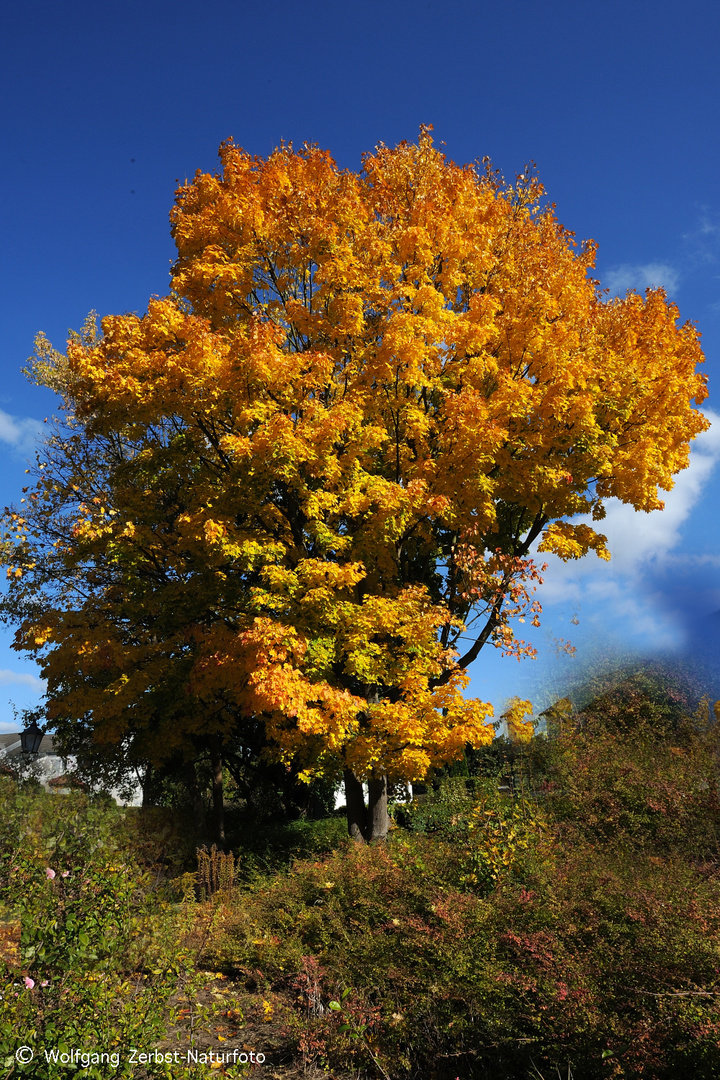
x,y
335,445
164,731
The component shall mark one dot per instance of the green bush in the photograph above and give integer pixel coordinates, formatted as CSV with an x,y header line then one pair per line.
x,y
648,787
574,923
570,920
97,969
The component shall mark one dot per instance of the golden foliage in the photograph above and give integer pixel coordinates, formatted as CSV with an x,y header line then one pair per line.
x,y
327,454
519,720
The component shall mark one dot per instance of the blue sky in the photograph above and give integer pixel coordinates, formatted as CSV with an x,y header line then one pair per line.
x,y
105,107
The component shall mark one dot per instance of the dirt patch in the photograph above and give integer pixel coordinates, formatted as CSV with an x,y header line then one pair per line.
x,y
225,1016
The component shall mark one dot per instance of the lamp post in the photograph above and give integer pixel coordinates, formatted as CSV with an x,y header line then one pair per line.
x,y
30,739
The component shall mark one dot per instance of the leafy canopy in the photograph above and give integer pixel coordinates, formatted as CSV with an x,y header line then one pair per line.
x,y
306,484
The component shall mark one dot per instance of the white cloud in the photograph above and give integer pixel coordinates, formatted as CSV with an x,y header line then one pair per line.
x,y
21,678
20,432
637,538
708,225
702,241
641,277
642,547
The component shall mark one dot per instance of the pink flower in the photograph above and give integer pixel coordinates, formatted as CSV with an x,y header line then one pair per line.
x,y
44,982
49,873
29,982
65,873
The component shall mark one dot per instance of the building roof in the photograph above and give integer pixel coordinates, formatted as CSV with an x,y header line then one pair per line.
x,y
10,744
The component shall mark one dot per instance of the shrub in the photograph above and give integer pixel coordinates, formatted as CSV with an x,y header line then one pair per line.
x,y
574,923
94,968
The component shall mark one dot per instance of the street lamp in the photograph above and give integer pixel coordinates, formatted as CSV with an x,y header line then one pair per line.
x,y
31,738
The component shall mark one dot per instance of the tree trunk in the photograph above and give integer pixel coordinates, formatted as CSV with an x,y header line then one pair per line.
x,y
217,793
147,785
355,807
366,823
197,808
378,817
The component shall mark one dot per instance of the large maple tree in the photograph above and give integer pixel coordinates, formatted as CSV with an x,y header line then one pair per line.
x,y
328,456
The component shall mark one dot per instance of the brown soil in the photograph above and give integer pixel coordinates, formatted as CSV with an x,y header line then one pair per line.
x,y
228,1014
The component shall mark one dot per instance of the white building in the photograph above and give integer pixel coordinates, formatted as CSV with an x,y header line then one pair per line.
x,y
49,768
